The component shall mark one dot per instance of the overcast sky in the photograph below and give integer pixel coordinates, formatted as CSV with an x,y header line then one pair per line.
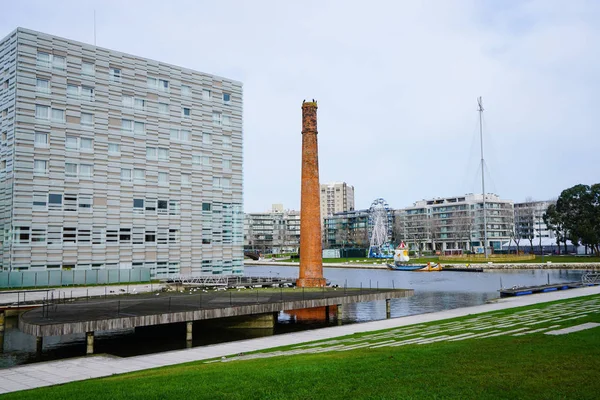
x,y
396,83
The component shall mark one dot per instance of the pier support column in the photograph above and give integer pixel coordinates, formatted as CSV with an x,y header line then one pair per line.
x,y
39,344
1,332
327,313
188,334
339,314
388,309
89,340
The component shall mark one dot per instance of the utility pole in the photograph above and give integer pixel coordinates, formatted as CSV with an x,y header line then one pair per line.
x,y
480,110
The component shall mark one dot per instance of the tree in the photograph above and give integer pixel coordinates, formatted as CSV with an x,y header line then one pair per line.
x,y
577,216
463,226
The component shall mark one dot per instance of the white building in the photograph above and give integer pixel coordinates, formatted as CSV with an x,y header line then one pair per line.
x,y
113,161
336,197
453,223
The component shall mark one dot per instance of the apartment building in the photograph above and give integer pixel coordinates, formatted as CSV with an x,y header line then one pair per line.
x,y
529,220
346,229
336,197
452,223
273,232
113,161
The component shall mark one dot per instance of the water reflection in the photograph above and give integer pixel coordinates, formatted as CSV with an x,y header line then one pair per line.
x,y
434,291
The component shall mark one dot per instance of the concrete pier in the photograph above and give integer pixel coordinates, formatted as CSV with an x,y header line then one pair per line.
x,y
89,340
188,333
102,315
339,314
388,308
39,344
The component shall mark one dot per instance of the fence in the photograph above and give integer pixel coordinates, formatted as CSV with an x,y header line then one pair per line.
x,y
475,258
35,279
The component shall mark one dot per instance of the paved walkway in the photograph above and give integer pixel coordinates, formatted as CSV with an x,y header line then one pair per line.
x,y
75,369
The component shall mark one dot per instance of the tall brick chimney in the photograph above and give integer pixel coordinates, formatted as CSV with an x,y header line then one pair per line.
x,y
311,250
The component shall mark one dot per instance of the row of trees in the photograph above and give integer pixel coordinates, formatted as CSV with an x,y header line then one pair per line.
x,y
576,216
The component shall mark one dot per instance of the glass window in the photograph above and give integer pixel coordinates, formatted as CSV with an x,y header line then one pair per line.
x,y
185,135
43,59
55,198
174,134
206,161
216,118
163,108
163,85
206,206
139,174
59,62
87,144
139,104
125,174
87,68
151,153
71,142
115,74
197,160
226,120
86,170
138,128
42,112
163,154
127,125
206,138
70,169
226,98
186,90
138,203
186,112
41,139
72,90
163,177
40,166
58,115
226,142
205,94
87,119
42,85
226,164
114,148
87,93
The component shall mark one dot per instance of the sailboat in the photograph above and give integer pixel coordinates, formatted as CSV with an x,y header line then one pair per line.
x,y
401,260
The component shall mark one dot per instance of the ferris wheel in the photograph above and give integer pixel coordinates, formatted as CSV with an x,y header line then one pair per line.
x,y
380,229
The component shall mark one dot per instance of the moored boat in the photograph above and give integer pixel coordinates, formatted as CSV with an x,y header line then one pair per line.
x,y
401,259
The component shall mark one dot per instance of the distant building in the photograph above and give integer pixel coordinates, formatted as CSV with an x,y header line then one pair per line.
x,y
529,220
346,229
453,223
336,197
272,232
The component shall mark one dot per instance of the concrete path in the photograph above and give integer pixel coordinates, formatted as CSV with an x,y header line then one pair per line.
x,y
75,369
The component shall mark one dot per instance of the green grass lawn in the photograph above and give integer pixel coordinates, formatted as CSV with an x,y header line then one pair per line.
x,y
535,366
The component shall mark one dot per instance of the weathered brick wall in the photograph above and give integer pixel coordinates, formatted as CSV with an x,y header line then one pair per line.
x,y
311,262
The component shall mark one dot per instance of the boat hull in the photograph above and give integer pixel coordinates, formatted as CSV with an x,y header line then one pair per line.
x,y
415,267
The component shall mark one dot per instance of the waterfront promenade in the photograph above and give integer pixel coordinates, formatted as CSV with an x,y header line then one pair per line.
x,y
75,369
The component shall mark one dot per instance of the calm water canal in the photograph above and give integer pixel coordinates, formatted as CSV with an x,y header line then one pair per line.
x,y
434,291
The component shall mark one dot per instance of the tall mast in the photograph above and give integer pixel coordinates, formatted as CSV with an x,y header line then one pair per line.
x,y
480,109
